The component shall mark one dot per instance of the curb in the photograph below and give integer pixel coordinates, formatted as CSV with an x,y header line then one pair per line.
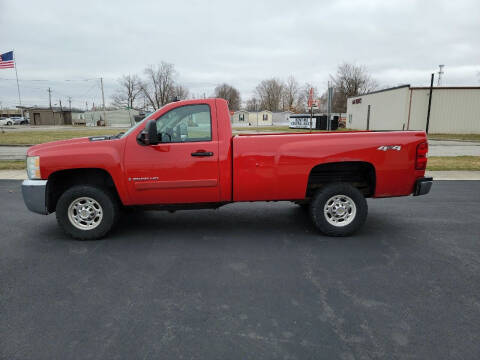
x,y
18,145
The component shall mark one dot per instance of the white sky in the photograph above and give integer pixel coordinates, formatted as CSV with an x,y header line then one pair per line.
x,y
239,42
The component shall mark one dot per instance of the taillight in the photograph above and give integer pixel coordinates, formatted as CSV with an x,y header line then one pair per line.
x,y
421,158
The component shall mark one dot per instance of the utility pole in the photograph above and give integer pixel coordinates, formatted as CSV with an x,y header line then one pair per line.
x,y
440,74
329,106
429,103
50,97
70,103
310,103
103,103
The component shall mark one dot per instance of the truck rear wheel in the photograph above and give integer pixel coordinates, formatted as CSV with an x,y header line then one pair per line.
x,y
87,212
338,209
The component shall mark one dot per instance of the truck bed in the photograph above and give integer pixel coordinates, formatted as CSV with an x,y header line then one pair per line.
x,y
276,166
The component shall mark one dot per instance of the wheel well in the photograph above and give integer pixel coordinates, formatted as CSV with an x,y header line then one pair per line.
x,y
60,181
358,173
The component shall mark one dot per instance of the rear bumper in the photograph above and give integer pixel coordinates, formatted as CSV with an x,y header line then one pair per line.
x,y
423,186
34,195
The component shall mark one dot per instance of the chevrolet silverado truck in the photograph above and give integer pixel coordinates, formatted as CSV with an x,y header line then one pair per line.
x,y
184,156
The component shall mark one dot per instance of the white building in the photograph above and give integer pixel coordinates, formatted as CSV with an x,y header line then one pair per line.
x,y
453,109
115,118
281,118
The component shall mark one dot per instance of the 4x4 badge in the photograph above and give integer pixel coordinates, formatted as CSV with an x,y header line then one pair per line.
x,y
390,147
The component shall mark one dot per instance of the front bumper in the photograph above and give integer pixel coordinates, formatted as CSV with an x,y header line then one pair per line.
x,y
34,195
423,186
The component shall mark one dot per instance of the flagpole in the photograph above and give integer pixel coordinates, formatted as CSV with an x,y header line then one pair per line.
x,y
18,86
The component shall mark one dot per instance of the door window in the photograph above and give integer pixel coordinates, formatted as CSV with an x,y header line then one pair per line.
x,y
188,123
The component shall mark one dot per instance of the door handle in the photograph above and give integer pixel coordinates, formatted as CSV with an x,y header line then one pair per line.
x,y
202,153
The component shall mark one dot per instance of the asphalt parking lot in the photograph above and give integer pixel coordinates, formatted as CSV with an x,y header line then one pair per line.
x,y
247,281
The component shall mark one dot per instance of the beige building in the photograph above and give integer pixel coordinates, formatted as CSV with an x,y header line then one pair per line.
x,y
260,118
53,116
10,112
453,109
239,118
243,118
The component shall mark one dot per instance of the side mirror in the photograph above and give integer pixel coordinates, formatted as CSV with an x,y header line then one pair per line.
x,y
149,135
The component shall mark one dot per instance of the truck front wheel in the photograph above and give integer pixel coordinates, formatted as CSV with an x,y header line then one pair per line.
x,y
338,209
87,212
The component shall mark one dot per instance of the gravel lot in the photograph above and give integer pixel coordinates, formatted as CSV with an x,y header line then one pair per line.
x,y
247,281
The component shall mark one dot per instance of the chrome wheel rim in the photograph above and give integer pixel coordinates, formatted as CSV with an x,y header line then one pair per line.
x,y
340,210
85,213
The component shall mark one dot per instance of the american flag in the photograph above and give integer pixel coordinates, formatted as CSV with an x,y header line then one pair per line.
x,y
6,60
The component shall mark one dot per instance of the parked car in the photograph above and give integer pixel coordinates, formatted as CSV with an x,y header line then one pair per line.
x,y
20,120
5,121
183,156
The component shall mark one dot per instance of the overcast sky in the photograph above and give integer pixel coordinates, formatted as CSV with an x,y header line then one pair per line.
x,y
238,42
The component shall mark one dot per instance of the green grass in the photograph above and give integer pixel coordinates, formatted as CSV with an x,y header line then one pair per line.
x,y
12,165
33,137
454,137
437,163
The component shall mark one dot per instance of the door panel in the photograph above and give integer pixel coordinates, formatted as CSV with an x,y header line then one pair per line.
x,y
179,172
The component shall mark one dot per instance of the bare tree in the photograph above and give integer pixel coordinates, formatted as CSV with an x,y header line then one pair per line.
x,y
350,80
252,104
128,91
229,93
270,93
291,92
304,93
159,85
180,92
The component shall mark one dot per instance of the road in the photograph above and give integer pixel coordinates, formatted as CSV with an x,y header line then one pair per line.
x,y
247,281
437,148
13,152
453,148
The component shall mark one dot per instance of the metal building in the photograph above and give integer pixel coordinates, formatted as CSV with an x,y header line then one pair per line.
x,y
453,109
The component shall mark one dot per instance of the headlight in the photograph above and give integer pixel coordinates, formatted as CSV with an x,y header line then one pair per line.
x,y
33,167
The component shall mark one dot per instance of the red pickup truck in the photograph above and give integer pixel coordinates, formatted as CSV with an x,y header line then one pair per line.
x,y
184,156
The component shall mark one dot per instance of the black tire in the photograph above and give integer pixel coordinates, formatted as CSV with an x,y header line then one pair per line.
x,y
304,206
109,207
354,223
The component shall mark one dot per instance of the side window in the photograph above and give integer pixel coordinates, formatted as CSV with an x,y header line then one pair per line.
x,y
186,124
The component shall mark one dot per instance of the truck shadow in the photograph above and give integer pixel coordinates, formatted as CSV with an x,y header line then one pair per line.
x,y
269,221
